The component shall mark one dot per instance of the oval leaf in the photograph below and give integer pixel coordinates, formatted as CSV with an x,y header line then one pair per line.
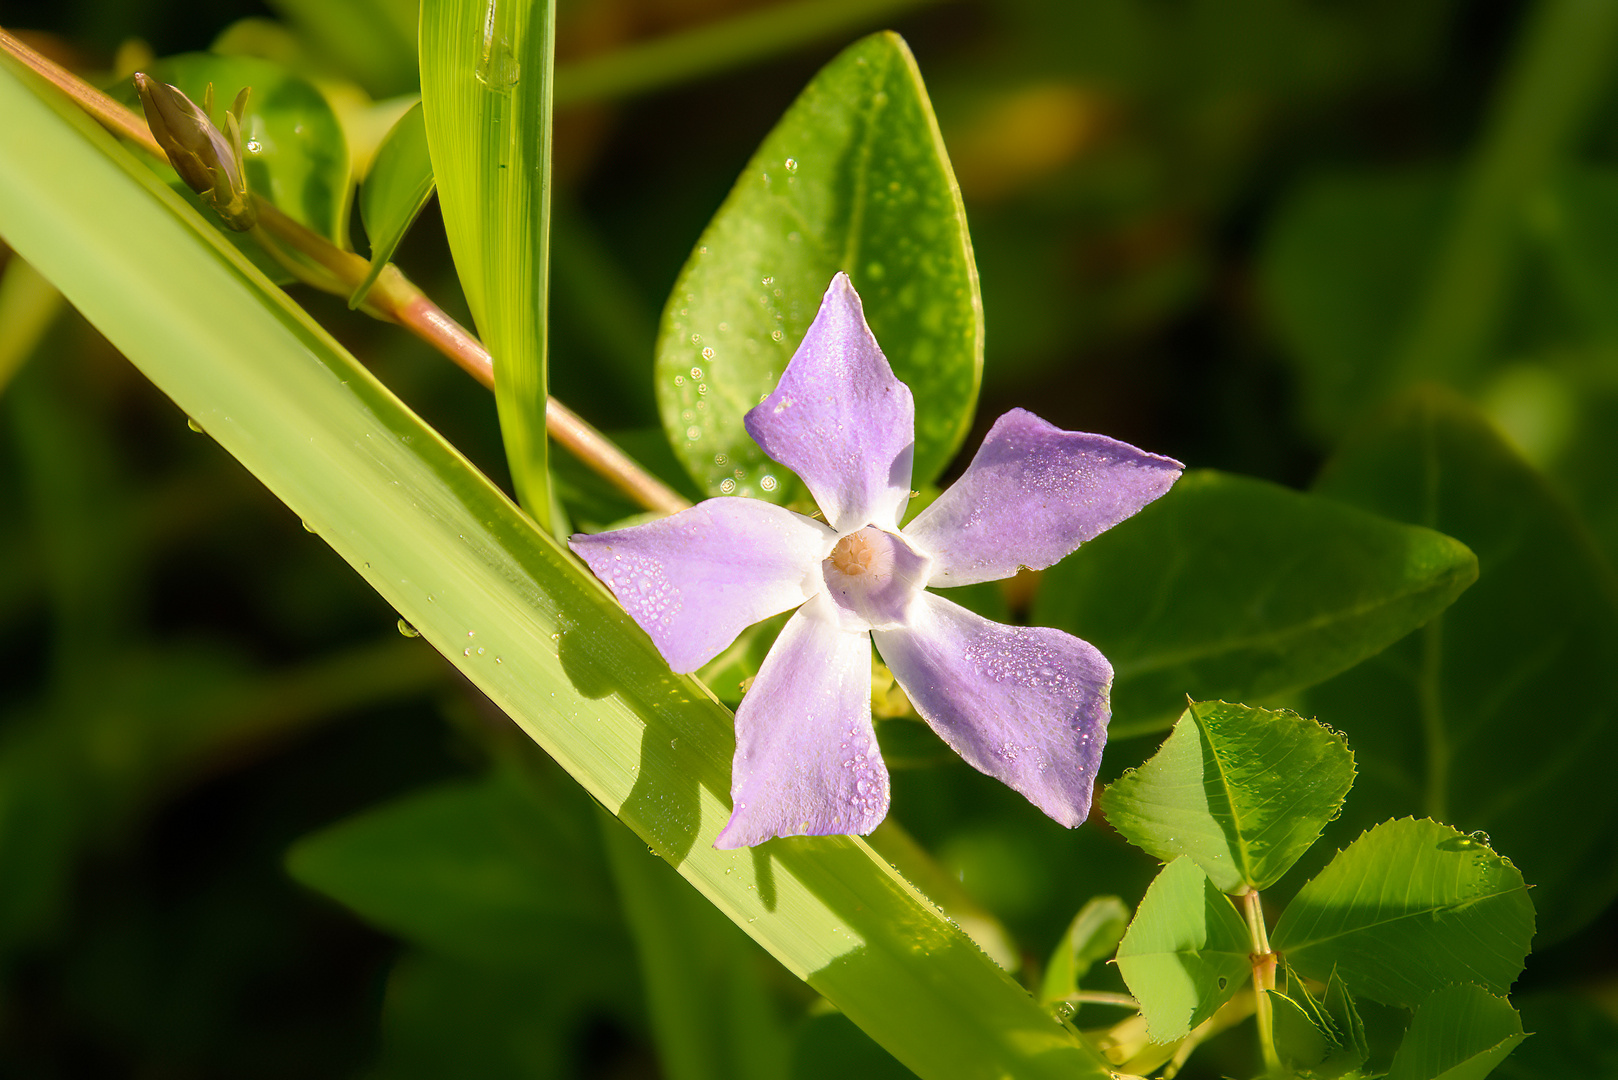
x,y
1234,588
1092,936
395,191
1407,908
1186,952
854,177
1492,717
1242,791
1460,1033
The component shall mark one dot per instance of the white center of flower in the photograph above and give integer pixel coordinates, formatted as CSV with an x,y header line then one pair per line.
x,y
873,576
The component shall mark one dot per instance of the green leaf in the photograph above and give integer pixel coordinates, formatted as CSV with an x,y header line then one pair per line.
x,y
395,191
1093,935
497,596
482,872
1345,1017
1491,718
1236,589
1459,1033
486,83
1407,908
1242,791
1186,952
854,177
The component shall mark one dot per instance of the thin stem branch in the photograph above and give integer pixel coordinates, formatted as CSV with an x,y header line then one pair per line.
x,y
1263,978
320,263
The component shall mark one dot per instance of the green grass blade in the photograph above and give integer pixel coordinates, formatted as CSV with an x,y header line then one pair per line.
x,y
486,77
28,308
494,593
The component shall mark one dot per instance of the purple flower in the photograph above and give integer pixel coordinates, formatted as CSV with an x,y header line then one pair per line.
x,y
1027,705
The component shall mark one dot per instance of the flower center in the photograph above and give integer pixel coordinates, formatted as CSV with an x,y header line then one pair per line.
x,y
873,576
861,552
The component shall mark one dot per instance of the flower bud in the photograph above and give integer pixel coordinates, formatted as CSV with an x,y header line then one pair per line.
x,y
209,163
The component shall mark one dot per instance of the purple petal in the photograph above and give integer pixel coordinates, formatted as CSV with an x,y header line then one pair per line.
x,y
807,762
1027,705
695,580
840,419
1033,494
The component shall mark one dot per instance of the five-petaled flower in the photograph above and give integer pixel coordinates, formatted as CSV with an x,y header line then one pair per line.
x,y
1027,705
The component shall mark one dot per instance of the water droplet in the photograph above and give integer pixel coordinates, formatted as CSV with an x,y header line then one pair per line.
x,y
254,146
308,528
407,630
702,250
194,426
792,166
724,328
707,352
702,388
767,483
777,335
769,281
696,373
721,460
727,486
679,380
693,433
696,339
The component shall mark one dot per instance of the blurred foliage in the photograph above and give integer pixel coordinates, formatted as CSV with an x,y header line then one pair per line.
x,y
1211,227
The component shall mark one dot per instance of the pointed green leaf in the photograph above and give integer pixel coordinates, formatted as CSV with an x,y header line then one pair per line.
x,y
1320,1040
1236,589
854,177
1491,717
496,595
1345,1016
1459,1033
394,192
1186,952
486,82
1242,791
1407,908
1093,935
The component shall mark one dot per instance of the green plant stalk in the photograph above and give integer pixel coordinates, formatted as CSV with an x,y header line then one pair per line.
x,y
1263,979
320,263
500,598
722,46
1562,64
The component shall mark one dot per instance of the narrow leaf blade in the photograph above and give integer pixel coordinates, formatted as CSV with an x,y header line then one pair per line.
x,y
486,83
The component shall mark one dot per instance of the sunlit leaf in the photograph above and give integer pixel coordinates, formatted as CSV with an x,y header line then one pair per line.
x,y
394,192
486,83
1186,952
1244,792
1407,908
1236,589
854,177
1459,1033
492,592
1491,717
